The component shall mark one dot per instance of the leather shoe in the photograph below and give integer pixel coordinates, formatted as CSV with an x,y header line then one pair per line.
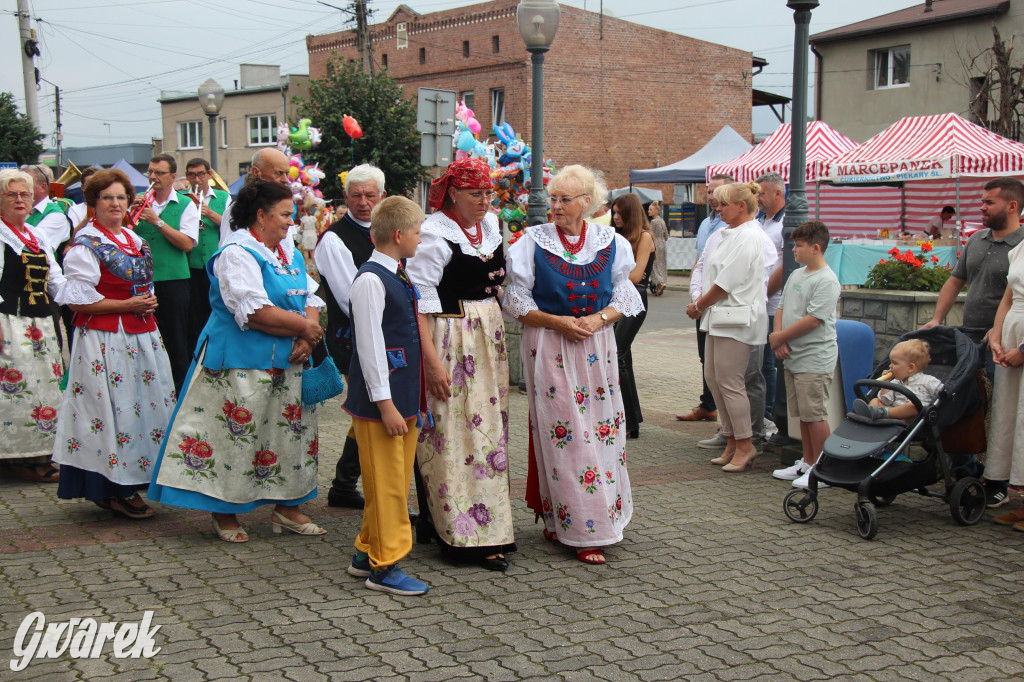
x,y
351,499
699,414
496,563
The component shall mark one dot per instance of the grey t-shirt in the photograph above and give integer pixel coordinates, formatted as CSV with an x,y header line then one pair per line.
x,y
812,293
983,265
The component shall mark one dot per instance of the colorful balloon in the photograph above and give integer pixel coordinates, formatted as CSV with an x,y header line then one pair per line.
x,y
352,127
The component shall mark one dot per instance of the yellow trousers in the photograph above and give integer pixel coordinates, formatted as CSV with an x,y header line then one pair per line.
x,y
386,463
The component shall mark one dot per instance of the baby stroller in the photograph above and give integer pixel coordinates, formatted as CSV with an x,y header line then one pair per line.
x,y
856,455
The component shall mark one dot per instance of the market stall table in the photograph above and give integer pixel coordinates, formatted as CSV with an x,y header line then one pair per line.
x,y
853,259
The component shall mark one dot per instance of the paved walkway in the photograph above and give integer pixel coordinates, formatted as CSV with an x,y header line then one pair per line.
x,y
712,582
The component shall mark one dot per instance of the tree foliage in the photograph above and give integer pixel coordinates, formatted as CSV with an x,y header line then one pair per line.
x,y
20,140
390,140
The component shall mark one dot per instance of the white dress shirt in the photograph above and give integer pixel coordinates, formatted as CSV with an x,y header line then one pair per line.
x,y
189,223
368,296
334,262
697,276
76,213
772,226
54,229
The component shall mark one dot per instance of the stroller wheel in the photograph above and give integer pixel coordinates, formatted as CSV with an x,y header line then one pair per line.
x,y
881,501
967,501
867,520
800,506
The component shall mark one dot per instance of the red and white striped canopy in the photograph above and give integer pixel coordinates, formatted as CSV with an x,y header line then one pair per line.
x,y
928,147
772,155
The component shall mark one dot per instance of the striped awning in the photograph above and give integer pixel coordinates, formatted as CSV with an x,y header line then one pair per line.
x,y
772,155
928,148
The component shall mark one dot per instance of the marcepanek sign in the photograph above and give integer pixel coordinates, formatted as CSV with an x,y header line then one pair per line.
x,y
889,171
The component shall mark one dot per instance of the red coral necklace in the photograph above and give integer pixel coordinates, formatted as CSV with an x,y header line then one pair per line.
x,y
129,248
280,250
572,249
31,243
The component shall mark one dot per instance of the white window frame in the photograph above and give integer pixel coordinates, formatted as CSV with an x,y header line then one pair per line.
x,y
267,135
472,98
401,36
497,106
223,133
888,54
190,134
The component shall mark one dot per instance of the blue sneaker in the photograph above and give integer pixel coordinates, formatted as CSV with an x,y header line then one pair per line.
x,y
393,580
360,566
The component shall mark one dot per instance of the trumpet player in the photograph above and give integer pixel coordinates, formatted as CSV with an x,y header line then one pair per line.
x,y
213,204
170,223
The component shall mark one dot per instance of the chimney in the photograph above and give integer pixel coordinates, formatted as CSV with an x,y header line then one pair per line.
x,y
927,5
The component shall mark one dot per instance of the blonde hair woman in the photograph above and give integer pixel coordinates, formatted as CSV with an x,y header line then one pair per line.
x,y
733,312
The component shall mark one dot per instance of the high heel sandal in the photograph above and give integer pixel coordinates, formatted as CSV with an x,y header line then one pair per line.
x,y
230,535
550,536
736,468
590,556
279,521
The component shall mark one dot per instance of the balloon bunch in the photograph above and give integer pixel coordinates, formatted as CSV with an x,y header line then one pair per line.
x,y
302,137
303,182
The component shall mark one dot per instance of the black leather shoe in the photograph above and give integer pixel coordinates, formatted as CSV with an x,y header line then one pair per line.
x,y
495,564
777,439
634,434
351,499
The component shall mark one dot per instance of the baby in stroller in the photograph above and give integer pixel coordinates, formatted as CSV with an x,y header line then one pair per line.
x,y
907,362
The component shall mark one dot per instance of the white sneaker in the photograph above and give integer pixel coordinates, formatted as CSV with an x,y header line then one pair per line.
x,y
792,473
805,482
716,441
770,429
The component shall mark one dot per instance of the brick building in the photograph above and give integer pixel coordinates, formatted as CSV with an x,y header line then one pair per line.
x,y
617,95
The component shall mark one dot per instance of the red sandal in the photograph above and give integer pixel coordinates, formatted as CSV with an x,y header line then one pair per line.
x,y
550,536
590,556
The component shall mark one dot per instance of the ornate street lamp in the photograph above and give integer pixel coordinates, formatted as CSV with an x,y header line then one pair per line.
x,y
538,23
211,99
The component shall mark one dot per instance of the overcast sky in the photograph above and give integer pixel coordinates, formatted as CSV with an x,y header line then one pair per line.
x,y
111,60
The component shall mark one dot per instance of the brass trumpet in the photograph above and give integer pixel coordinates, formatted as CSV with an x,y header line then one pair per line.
x,y
132,217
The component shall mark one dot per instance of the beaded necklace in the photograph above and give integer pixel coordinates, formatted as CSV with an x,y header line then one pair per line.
x,y
572,249
280,250
128,249
31,243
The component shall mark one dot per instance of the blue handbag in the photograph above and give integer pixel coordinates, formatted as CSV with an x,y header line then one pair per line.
x,y
321,382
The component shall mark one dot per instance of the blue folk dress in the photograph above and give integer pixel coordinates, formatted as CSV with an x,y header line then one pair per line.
x,y
240,436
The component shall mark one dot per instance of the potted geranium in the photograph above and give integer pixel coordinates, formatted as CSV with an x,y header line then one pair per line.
x,y
907,271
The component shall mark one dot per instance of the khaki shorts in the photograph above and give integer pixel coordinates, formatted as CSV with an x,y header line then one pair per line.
x,y
807,396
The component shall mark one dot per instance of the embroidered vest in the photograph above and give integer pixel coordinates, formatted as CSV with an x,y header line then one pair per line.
x,y
121,277
23,284
404,355
339,328
36,218
169,262
228,346
562,288
209,234
468,278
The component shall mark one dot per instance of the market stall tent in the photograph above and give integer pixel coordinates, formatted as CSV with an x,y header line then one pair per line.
x,y
726,144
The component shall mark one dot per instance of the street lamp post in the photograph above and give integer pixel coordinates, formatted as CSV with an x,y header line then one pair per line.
x,y
211,99
538,23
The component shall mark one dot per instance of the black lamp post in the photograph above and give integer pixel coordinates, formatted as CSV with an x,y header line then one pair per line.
x,y
211,99
538,23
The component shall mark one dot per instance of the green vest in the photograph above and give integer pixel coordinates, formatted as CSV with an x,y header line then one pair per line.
x,y
169,262
36,218
209,234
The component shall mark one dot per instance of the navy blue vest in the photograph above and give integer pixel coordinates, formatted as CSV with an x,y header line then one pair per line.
x,y
562,288
402,340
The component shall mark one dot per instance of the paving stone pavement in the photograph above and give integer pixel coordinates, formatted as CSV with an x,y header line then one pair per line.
x,y
711,582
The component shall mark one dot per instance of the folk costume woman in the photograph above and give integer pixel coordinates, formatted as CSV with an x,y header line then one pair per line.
x,y
120,393
30,361
241,437
463,458
569,284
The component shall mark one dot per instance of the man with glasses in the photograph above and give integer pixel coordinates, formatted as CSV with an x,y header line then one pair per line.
x,y
171,226
214,205
342,249
47,218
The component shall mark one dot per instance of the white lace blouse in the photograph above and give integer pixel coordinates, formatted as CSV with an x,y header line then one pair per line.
x,y
55,280
82,268
519,264
241,281
427,267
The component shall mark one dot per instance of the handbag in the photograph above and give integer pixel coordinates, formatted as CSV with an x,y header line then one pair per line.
x,y
321,382
730,315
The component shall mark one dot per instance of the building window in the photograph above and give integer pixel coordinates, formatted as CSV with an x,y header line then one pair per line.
x,y
423,55
384,59
223,133
467,97
262,129
497,106
892,67
401,36
465,48
495,44
190,135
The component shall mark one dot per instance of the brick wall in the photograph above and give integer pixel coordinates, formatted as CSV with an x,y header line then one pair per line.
x,y
638,98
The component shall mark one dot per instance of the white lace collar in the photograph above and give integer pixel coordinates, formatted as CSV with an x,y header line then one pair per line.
x,y
446,228
246,239
8,237
598,237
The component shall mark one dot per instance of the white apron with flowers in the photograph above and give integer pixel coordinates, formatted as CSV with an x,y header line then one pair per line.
x,y
30,372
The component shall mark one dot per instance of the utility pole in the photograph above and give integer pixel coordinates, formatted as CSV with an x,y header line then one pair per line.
x,y
363,40
29,51
60,135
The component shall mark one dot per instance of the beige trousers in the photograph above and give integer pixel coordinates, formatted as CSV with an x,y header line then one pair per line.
x,y
725,364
